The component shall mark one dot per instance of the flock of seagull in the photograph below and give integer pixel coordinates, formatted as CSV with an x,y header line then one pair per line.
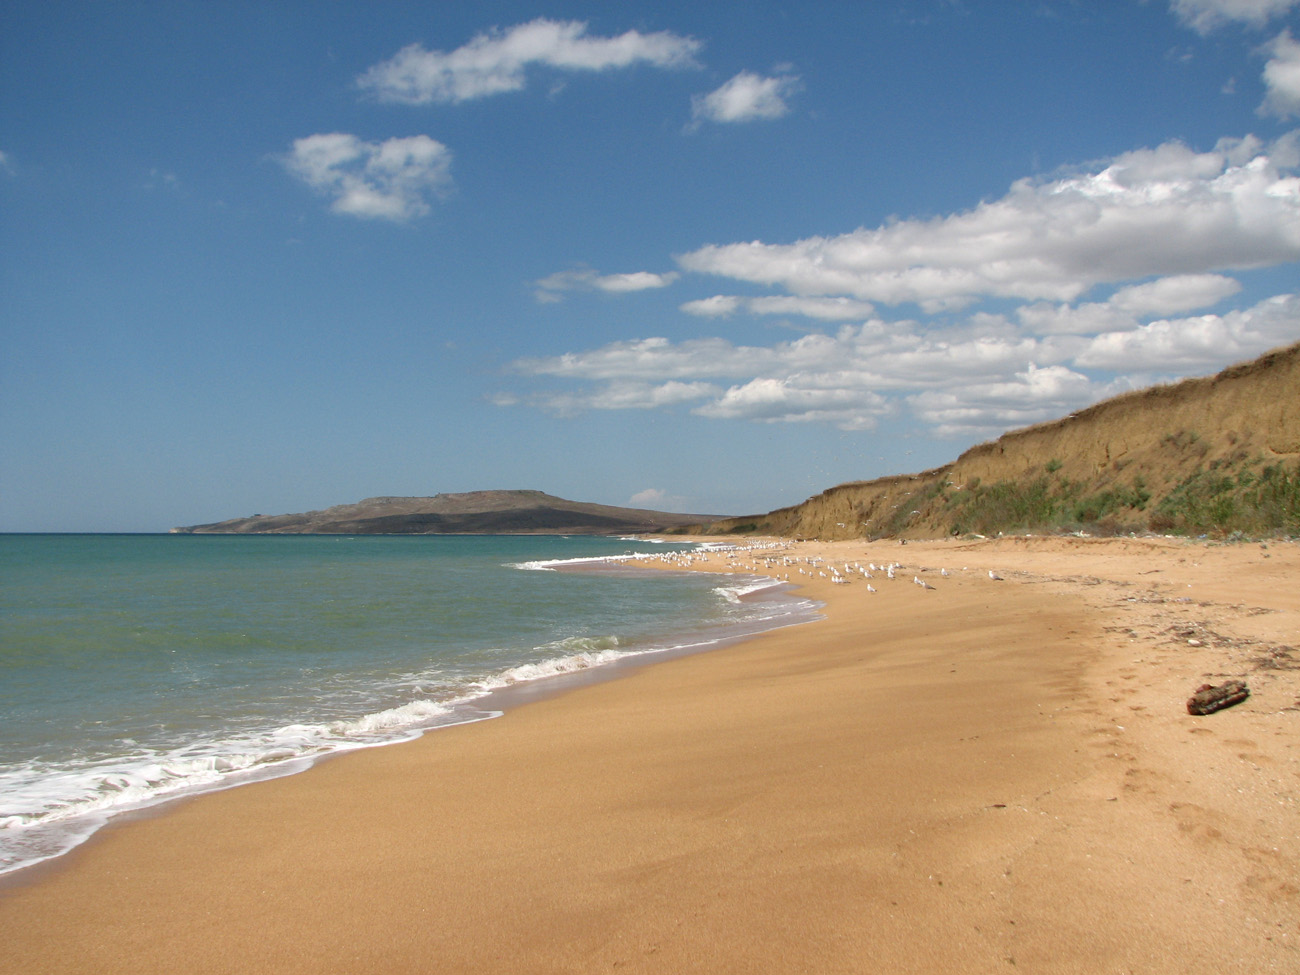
x,y
773,557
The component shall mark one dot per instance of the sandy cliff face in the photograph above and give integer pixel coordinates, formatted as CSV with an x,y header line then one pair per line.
x,y
1204,454
1254,408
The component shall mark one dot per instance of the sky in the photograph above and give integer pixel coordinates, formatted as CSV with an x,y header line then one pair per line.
x,y
703,257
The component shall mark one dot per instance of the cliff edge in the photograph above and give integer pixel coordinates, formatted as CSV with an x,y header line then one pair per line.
x,y
1212,455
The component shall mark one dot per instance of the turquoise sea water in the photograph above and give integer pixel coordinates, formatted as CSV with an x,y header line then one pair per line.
x,y
136,668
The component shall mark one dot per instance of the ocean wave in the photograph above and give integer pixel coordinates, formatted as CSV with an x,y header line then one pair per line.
x,y
550,565
735,593
553,667
47,811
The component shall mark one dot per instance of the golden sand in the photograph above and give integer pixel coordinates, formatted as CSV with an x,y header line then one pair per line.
x,y
984,776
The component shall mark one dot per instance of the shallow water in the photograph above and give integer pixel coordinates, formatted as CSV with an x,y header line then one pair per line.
x,y
134,668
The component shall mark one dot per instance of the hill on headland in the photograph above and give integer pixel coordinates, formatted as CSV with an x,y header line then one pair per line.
x,y
1213,455
472,513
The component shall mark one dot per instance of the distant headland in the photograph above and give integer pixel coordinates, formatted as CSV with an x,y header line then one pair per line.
x,y
471,513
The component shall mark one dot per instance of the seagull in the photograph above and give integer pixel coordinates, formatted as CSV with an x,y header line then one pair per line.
x,y
994,576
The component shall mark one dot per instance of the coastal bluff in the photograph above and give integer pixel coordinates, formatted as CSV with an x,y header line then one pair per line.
x,y
470,513
1207,456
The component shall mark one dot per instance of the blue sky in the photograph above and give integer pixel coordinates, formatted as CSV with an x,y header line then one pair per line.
x,y
708,257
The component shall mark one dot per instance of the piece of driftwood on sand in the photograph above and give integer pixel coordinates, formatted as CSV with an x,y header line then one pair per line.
x,y
1209,698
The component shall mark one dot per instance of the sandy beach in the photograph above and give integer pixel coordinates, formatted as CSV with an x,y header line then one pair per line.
x,y
987,775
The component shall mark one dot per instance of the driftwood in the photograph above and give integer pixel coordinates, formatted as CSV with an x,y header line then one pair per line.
x,y
1209,698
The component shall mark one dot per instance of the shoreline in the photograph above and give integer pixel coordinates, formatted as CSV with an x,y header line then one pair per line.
x,y
482,700
986,771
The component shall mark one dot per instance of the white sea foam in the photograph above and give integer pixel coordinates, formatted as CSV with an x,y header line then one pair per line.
x,y
46,812
736,593
550,565
553,667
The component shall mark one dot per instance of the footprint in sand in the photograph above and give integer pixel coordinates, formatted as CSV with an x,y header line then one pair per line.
x,y
1194,822
1141,780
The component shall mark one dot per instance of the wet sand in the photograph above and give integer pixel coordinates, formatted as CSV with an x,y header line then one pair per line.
x,y
989,775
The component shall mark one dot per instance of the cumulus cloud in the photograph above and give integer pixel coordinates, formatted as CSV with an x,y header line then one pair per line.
x,y
1145,237
621,394
745,98
389,180
1152,212
551,287
1164,296
825,309
1182,292
841,379
798,399
1282,77
977,378
1203,341
1206,15
1089,318
1033,395
649,498
651,358
496,62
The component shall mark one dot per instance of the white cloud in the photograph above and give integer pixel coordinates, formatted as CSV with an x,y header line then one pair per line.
x,y
840,379
659,500
1162,211
825,309
745,98
622,394
1148,233
551,287
718,306
975,379
495,62
1204,341
649,498
651,358
798,399
1164,296
1045,318
1033,395
387,180
634,281
1282,77
1182,292
1205,15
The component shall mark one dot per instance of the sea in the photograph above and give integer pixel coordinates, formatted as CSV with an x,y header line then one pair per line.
x,y
137,669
